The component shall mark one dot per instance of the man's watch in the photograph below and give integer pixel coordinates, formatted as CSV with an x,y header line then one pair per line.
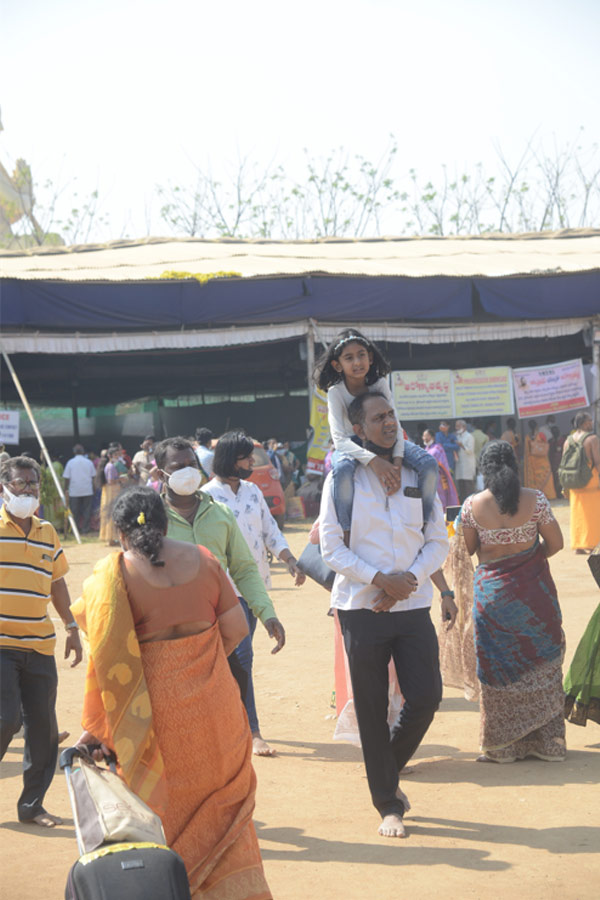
x,y
447,594
71,626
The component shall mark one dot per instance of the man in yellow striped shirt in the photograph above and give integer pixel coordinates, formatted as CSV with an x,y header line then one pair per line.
x,y
32,566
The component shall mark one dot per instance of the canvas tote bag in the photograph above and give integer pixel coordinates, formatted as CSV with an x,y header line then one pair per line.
x,y
107,811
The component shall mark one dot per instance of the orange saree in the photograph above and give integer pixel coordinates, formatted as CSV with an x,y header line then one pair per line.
x,y
194,740
537,469
585,514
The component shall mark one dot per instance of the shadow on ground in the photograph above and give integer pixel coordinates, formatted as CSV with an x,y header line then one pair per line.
x,y
303,847
454,766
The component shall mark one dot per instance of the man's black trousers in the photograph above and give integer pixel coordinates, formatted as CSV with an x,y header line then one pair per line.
x,y
28,682
371,640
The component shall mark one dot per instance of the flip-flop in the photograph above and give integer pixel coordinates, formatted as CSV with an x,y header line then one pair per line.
x,y
44,820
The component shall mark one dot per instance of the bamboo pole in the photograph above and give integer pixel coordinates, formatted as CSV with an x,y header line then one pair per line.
x,y
44,449
310,363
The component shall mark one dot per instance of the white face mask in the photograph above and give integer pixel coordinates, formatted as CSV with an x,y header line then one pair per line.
x,y
20,505
185,481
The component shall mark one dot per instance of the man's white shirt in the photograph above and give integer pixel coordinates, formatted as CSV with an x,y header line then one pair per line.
x,y
205,458
466,464
80,471
386,536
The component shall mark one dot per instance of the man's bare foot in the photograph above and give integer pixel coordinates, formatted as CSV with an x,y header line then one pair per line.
x,y
45,819
392,826
62,736
402,796
260,747
408,770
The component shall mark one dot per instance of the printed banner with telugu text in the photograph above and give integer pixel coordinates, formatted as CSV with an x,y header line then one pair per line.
x,y
483,392
423,395
550,389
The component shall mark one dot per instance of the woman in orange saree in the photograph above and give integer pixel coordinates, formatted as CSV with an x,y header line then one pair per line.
x,y
537,468
159,620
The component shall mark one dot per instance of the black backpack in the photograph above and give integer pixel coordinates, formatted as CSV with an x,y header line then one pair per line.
x,y
574,471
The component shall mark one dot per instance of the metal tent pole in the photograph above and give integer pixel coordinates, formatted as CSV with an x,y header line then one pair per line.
x,y
51,469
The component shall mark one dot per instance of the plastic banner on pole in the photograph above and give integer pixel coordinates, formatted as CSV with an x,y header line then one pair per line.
x,y
318,444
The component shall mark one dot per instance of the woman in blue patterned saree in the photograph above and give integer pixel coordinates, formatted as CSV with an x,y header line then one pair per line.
x,y
519,641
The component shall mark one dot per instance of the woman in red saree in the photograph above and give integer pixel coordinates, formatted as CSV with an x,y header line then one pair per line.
x,y
160,619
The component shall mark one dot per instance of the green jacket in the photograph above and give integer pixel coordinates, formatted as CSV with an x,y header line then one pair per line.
x,y
216,529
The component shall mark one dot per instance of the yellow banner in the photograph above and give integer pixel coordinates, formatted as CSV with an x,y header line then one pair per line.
x,y
318,444
423,395
483,392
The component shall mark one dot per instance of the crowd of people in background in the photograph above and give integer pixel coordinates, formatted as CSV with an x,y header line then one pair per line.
x,y
92,481
191,524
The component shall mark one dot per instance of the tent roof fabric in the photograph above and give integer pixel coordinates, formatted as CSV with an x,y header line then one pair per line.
x,y
221,302
220,338
480,256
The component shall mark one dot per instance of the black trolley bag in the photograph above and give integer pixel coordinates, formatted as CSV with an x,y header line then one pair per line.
x,y
136,870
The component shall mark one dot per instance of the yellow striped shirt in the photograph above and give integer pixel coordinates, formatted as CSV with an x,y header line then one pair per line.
x,y
28,566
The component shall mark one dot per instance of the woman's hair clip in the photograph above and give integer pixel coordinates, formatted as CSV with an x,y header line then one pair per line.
x,y
141,519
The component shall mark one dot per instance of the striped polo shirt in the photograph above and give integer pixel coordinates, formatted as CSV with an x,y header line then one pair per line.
x,y
28,566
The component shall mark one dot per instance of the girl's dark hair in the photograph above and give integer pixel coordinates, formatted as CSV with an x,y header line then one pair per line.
x,y
139,513
229,447
325,375
500,471
100,474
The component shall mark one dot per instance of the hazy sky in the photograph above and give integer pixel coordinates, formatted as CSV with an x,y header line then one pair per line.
x,y
124,95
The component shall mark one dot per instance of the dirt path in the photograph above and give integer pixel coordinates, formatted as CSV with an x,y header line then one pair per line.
x,y
530,830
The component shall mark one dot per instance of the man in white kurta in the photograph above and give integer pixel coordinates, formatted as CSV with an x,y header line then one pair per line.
x,y
466,464
383,594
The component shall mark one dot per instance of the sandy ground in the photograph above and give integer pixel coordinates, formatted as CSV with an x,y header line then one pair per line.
x,y
531,829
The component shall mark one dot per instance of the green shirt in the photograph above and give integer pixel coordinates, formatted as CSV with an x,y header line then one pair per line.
x,y
216,529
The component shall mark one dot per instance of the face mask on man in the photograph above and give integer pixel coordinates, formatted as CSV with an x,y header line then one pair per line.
x,y
20,505
185,481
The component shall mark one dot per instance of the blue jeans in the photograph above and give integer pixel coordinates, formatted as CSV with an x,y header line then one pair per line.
x,y
245,656
28,682
423,463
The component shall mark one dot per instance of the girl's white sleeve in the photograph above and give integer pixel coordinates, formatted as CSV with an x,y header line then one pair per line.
x,y
383,387
339,425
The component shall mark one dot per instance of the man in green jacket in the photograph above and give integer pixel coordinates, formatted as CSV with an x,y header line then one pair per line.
x,y
198,519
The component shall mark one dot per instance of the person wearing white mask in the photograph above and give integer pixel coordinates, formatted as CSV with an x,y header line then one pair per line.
x,y
466,464
198,519
32,569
